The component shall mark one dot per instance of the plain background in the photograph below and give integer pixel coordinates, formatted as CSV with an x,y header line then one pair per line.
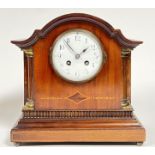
x,y
135,24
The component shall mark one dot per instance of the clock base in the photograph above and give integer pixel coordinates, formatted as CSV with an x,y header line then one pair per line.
x,y
96,130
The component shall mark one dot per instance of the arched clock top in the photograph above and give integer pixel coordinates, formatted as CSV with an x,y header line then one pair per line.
x,y
115,34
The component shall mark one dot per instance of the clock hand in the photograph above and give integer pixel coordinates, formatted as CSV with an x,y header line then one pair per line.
x,y
84,50
69,47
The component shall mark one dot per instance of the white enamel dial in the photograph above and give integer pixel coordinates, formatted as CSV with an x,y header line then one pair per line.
x,y
77,55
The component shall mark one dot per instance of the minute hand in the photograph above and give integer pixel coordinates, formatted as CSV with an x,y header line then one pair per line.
x,y
69,47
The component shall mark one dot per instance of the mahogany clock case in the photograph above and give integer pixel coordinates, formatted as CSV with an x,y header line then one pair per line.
x,y
56,110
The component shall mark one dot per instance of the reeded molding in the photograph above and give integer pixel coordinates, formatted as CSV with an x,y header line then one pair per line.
x,y
77,114
116,34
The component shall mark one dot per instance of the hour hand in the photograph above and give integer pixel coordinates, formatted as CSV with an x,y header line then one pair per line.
x,y
84,50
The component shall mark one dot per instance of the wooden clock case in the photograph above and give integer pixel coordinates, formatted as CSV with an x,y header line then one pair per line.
x,y
59,111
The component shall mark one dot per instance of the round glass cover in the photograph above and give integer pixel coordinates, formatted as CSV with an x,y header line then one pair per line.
x,y
77,55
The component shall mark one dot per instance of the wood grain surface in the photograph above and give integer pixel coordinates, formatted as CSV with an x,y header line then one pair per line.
x,y
103,92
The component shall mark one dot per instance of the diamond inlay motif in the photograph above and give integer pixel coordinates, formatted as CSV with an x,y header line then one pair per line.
x,y
77,97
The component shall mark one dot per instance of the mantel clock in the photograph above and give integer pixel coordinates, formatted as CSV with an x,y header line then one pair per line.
x,y
77,84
